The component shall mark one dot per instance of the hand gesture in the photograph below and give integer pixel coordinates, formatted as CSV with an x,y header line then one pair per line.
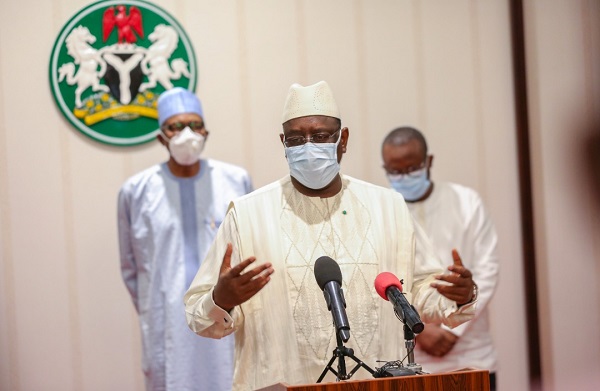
x,y
234,287
461,280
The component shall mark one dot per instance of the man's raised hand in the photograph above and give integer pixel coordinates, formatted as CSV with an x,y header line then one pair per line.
x,y
461,280
235,286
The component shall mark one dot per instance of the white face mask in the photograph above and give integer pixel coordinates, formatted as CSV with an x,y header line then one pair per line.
x,y
186,146
314,164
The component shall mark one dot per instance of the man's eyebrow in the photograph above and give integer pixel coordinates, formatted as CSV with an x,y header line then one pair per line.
x,y
293,131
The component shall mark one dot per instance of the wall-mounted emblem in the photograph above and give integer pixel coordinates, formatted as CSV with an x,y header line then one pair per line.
x,y
109,64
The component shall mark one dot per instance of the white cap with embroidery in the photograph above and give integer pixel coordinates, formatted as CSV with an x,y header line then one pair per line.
x,y
316,99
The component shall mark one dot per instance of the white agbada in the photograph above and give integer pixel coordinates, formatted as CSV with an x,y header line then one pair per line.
x,y
453,216
166,225
285,332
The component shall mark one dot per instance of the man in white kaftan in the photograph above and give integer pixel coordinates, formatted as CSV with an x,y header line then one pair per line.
x,y
283,330
453,217
168,216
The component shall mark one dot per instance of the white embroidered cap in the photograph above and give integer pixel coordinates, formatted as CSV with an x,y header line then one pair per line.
x,y
316,99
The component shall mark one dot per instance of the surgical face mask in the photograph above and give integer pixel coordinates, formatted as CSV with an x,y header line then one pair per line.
x,y
412,186
314,164
186,146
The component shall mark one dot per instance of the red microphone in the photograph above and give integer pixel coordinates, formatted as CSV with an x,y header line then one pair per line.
x,y
385,280
389,287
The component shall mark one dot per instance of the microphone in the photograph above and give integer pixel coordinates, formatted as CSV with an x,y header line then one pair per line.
x,y
329,278
390,288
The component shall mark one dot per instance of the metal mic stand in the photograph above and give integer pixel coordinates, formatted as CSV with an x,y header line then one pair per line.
x,y
409,342
341,352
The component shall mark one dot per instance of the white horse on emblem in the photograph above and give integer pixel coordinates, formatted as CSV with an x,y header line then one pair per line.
x,y
78,46
156,65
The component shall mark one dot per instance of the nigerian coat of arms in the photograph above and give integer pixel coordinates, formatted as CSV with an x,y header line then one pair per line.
x,y
110,63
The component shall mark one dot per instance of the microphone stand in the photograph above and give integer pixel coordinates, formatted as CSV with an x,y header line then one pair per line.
x,y
397,368
341,352
409,342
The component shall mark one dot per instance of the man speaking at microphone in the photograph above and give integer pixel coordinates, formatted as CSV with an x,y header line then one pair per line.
x,y
257,279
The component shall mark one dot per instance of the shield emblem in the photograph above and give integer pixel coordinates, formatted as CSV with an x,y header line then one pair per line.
x,y
110,63
123,76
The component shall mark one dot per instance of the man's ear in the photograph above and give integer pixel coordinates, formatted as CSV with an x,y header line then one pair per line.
x,y
161,139
282,137
429,165
344,141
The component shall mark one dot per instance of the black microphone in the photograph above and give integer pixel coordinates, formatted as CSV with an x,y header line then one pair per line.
x,y
329,278
389,287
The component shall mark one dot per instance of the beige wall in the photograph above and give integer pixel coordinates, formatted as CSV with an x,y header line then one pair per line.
x,y
66,322
563,41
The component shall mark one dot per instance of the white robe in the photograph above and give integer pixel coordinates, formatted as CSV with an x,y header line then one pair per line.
x,y
285,332
166,225
453,216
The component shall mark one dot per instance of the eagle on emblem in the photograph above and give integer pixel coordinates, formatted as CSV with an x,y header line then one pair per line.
x,y
126,24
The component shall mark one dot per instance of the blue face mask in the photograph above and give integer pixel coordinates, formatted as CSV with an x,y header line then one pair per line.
x,y
413,186
313,164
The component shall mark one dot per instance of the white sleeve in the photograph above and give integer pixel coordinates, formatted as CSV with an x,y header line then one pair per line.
x,y
485,263
127,258
431,305
203,316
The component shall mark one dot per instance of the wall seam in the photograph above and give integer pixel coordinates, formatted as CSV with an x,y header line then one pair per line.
x,y
7,253
419,60
478,95
69,243
301,41
246,113
362,80
522,119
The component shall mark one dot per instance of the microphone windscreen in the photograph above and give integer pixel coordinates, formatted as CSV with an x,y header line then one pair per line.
x,y
326,270
385,280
